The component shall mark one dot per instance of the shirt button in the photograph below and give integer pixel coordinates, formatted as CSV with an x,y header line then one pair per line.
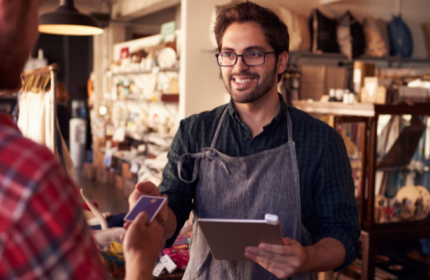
x,y
246,138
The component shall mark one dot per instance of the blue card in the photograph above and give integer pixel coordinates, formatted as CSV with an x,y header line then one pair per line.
x,y
150,204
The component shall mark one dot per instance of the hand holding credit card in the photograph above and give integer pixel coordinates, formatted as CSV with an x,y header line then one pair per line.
x,y
150,204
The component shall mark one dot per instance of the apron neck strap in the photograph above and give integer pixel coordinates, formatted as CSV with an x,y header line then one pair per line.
x,y
290,127
218,129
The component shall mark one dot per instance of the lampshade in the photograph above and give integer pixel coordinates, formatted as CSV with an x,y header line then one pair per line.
x,y
67,20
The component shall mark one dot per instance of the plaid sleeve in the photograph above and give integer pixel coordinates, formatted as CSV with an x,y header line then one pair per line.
x,y
47,236
335,202
180,194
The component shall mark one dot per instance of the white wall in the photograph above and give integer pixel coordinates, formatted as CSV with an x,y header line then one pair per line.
x,y
201,86
102,57
200,83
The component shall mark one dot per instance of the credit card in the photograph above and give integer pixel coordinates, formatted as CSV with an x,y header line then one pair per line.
x,y
150,204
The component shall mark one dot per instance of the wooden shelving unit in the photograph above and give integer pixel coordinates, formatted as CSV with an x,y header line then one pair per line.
x,y
336,108
373,233
141,72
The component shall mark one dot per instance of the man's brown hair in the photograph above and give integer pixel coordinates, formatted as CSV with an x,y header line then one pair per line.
x,y
275,31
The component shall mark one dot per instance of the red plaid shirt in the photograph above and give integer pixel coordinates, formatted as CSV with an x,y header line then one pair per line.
x,y
43,233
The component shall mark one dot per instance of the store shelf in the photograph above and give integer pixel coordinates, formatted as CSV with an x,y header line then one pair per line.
x,y
294,57
128,160
8,98
336,108
165,98
141,72
392,169
318,55
393,59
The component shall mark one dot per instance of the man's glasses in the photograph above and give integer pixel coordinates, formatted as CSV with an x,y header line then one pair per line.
x,y
251,58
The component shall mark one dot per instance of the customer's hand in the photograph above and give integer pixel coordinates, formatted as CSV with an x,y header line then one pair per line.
x,y
142,245
148,188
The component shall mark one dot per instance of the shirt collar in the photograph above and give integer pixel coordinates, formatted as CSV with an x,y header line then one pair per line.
x,y
282,113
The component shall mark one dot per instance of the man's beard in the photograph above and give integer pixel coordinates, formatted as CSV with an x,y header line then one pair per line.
x,y
263,86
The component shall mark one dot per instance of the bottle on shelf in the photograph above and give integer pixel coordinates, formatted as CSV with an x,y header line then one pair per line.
x,y
332,95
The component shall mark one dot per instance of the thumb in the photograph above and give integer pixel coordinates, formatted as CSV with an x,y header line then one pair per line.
x,y
147,188
142,218
287,241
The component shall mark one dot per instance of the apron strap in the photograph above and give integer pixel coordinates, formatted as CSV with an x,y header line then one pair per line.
x,y
290,127
208,155
198,157
205,153
218,129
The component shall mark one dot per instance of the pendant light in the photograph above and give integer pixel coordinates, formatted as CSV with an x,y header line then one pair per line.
x,y
67,20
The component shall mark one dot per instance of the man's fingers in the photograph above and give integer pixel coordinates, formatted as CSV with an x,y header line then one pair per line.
x,y
147,188
286,250
162,215
267,263
260,254
273,263
143,188
133,198
287,241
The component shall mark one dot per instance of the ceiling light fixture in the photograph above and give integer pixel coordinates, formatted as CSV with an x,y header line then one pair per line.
x,y
67,20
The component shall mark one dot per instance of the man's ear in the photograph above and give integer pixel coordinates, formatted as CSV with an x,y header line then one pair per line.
x,y
282,62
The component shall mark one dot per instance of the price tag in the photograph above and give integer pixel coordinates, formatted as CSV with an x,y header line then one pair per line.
x,y
158,269
168,263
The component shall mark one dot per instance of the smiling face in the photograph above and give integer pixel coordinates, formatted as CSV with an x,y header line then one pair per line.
x,y
246,84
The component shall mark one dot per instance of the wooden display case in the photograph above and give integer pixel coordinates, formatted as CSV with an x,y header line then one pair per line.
x,y
373,232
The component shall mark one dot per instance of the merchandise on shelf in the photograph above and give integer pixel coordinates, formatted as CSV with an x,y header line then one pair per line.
x,y
401,185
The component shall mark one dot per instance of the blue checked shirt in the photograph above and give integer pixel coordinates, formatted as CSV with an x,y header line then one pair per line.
x,y
328,204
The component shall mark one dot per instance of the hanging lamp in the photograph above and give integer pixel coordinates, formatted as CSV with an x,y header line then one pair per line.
x,y
67,20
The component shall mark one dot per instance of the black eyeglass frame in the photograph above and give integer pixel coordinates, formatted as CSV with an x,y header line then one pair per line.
x,y
241,55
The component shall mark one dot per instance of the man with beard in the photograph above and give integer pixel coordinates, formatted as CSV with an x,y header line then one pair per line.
x,y
256,156
43,232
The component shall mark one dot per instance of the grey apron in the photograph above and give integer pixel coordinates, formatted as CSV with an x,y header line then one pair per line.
x,y
244,188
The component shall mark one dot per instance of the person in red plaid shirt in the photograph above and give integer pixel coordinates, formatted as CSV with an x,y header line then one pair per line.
x,y
43,232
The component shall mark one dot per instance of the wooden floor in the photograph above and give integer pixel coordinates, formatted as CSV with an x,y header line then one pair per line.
x,y
108,198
